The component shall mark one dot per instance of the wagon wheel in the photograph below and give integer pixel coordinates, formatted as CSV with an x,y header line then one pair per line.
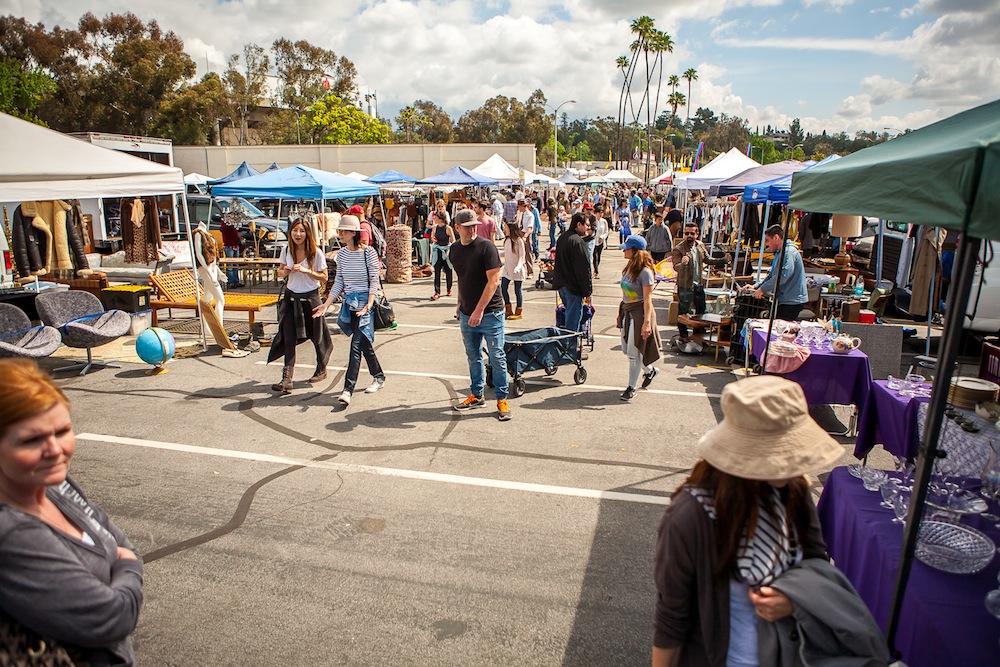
x,y
550,370
489,376
757,369
580,375
518,389
730,360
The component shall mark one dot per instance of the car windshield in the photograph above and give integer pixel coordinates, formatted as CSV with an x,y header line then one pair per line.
x,y
249,209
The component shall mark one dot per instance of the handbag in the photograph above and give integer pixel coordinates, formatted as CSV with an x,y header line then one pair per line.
x,y
21,647
383,315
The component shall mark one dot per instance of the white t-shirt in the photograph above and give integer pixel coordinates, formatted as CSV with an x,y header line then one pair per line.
x,y
300,283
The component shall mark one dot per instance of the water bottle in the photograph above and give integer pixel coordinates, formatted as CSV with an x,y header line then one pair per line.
x,y
859,287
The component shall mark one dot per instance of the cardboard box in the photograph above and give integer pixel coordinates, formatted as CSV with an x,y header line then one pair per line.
x,y
851,311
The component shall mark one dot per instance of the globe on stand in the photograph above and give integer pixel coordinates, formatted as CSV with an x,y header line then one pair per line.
x,y
155,346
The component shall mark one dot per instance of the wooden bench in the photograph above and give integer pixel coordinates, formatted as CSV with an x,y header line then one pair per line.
x,y
176,289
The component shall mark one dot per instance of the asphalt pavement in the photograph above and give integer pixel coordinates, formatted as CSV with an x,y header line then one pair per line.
x,y
288,530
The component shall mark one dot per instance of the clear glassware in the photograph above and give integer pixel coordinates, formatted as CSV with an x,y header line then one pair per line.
x,y
871,478
900,506
888,488
991,479
915,379
993,600
894,383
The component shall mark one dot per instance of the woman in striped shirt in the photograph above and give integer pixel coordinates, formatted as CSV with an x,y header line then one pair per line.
x,y
357,280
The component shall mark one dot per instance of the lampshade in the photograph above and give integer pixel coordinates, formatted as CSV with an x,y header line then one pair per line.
x,y
846,226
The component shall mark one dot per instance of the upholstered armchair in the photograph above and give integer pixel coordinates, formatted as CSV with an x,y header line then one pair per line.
x,y
83,323
19,339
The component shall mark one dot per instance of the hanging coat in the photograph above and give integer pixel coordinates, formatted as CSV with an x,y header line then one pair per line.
x,y
48,240
927,264
140,224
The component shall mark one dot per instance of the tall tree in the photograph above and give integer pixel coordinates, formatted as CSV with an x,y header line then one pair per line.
x,y
624,65
729,131
690,74
245,79
405,121
191,115
795,133
22,88
675,100
333,120
674,81
435,124
308,74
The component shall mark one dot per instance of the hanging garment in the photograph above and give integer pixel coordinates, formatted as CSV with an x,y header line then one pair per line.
x,y
927,264
140,226
47,239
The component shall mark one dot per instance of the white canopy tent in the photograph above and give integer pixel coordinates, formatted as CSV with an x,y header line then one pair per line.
x,y
357,175
39,164
499,169
664,178
725,166
622,176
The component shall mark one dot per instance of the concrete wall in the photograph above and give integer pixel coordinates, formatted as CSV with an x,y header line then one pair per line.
x,y
416,160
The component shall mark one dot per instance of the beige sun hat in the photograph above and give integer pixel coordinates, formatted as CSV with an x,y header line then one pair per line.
x,y
766,432
349,223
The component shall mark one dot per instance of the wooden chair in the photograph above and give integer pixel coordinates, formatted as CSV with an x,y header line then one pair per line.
x,y
177,289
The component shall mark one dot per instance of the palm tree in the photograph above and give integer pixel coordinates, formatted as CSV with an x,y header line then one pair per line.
x,y
624,64
647,33
675,100
406,117
661,43
674,81
691,74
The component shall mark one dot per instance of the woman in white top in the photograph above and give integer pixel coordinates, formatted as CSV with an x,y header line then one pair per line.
x,y
357,280
600,237
514,269
303,267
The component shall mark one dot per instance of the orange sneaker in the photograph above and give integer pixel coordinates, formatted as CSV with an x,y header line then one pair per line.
x,y
471,402
503,410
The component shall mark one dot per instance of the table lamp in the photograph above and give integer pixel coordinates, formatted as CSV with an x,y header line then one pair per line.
x,y
845,226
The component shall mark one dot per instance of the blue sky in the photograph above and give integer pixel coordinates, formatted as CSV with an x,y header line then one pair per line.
x,y
840,65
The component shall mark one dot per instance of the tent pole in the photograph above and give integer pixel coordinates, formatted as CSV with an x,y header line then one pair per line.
x,y
194,264
958,302
774,298
879,256
739,240
763,231
930,313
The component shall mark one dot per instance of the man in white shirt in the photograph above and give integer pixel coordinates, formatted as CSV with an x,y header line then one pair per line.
x,y
525,220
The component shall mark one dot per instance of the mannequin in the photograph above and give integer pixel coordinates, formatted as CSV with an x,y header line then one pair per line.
x,y
206,252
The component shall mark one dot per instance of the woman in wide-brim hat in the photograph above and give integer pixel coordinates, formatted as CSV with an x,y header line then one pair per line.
x,y
743,517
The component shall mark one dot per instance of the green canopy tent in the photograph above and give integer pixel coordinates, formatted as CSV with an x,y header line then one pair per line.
x,y
944,175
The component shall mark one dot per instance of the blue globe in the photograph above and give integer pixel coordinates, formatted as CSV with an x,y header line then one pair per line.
x,y
155,346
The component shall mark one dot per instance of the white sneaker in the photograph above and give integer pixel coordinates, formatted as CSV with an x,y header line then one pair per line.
x,y
345,398
376,384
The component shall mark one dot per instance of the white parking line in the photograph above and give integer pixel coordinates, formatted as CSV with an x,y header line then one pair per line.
x,y
534,381
384,472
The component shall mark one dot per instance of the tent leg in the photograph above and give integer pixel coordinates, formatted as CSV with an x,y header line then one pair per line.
x,y
763,231
958,302
930,314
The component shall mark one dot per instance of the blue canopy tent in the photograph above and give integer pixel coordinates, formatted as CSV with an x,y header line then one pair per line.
x,y
274,167
390,176
458,176
297,182
773,191
241,172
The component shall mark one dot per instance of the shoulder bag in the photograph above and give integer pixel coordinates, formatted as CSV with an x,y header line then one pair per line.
x,y
383,315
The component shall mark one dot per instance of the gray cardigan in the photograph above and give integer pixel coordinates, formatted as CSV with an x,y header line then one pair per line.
x,y
692,605
65,589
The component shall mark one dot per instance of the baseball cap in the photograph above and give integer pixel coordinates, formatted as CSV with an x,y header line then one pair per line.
x,y
356,210
588,206
466,218
634,243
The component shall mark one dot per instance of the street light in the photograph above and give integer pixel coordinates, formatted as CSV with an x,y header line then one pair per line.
x,y
555,130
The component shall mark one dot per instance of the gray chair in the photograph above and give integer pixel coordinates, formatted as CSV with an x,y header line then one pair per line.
x,y
19,339
83,322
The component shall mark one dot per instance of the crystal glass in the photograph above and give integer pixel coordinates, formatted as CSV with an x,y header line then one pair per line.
x,y
894,383
888,488
915,379
993,600
900,506
871,478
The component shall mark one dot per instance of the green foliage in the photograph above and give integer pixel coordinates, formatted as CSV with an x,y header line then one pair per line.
x,y
190,116
22,88
795,134
334,121
245,80
764,151
506,120
728,132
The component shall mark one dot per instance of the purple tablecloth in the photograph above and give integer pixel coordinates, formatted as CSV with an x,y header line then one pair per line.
x,y
943,621
827,378
890,420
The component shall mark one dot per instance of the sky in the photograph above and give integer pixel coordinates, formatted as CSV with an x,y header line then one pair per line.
x,y
837,65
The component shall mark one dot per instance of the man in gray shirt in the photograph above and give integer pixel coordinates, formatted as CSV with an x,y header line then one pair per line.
x,y
658,240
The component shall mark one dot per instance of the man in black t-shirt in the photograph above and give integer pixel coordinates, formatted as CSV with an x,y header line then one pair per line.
x,y
675,221
480,311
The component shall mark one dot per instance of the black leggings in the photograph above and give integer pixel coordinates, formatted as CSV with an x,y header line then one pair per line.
x,y
442,265
598,249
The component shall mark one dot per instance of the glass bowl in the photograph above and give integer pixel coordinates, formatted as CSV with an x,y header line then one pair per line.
x,y
953,547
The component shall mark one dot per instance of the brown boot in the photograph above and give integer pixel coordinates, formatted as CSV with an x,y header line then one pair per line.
x,y
516,315
318,376
508,311
285,386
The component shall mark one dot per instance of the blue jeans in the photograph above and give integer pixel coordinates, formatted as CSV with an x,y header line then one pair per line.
x,y
574,309
505,290
688,296
534,243
490,330
232,273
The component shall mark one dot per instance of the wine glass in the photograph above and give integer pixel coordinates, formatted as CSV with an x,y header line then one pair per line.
x,y
888,488
900,506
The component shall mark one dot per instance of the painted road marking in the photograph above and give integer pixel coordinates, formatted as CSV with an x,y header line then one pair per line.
x,y
537,381
383,472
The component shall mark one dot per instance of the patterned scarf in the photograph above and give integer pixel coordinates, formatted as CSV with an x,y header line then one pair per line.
x,y
771,551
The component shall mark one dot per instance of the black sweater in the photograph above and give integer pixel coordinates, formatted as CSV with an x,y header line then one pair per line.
x,y
572,269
